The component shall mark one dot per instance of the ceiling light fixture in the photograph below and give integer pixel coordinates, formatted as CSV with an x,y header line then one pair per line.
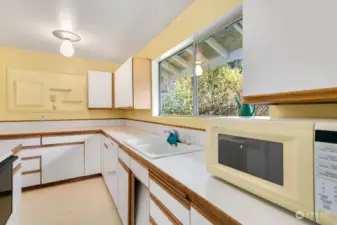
x,y
198,68
67,38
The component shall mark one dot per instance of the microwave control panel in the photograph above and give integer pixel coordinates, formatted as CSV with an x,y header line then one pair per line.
x,y
325,173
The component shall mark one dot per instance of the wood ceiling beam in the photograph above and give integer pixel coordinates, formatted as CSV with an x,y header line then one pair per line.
x,y
217,47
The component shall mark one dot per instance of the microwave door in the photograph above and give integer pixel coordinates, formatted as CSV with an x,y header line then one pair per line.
x,y
259,158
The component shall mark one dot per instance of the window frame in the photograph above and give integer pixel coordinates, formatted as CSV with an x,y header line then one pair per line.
x,y
199,38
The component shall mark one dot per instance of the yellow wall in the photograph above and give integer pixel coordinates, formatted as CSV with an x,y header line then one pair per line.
x,y
198,16
11,58
304,111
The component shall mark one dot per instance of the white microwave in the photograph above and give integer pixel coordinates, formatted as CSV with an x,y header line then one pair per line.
x,y
292,163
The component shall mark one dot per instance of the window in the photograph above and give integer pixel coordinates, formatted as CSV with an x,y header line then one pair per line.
x,y
204,78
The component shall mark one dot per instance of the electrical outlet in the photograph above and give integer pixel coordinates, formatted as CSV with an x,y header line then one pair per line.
x,y
42,117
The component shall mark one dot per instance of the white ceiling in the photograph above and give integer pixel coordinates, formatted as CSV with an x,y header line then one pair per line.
x,y
111,30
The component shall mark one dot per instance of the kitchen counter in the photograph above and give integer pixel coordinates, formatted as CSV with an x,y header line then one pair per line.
x,y
190,170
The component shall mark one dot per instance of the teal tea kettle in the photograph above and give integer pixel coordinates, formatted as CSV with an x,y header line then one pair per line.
x,y
245,109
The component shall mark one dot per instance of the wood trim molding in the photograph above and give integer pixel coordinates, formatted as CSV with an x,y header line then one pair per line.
x,y
180,196
17,149
52,145
152,222
211,211
16,168
211,217
132,199
61,182
30,172
125,167
30,158
167,213
106,146
305,96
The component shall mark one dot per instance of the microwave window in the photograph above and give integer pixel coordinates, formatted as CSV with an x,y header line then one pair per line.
x,y
260,158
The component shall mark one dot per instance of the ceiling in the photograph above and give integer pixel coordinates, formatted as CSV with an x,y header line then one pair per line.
x,y
111,30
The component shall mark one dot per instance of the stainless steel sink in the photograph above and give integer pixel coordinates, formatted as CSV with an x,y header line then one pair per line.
x,y
157,147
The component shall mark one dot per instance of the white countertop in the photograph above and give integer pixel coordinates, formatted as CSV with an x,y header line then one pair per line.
x,y
190,170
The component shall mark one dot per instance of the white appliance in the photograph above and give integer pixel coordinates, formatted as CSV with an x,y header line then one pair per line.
x,y
290,162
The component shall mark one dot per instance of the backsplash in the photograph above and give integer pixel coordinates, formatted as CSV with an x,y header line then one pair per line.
x,y
186,135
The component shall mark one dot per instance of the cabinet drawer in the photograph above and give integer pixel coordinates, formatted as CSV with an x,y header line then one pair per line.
x,y
141,172
171,203
30,164
31,179
124,157
62,139
158,215
198,219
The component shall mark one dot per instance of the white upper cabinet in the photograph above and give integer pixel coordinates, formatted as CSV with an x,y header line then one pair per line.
x,y
99,90
123,85
289,46
133,84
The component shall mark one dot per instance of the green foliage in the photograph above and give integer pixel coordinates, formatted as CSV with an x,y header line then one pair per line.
x,y
217,88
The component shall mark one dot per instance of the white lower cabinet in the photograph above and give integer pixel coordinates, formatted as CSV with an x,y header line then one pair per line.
x,y
158,215
198,219
110,163
32,179
178,210
62,163
123,193
93,154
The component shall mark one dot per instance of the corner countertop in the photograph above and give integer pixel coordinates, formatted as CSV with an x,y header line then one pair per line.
x,y
190,170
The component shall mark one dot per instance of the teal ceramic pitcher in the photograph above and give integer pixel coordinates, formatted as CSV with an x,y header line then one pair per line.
x,y
245,109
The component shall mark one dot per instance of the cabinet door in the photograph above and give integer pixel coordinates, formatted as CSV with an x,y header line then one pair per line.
x,y
93,151
124,86
62,163
99,89
281,57
198,219
123,174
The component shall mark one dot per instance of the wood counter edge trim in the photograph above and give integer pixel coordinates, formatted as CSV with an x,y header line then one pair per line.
x,y
125,167
38,186
167,212
16,150
211,217
211,211
305,96
152,221
31,172
132,199
52,145
183,200
31,158
193,197
16,168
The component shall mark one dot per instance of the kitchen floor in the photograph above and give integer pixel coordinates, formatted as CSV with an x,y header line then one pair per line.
x,y
85,202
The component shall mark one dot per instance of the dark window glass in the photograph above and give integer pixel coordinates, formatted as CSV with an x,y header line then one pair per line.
x,y
263,159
